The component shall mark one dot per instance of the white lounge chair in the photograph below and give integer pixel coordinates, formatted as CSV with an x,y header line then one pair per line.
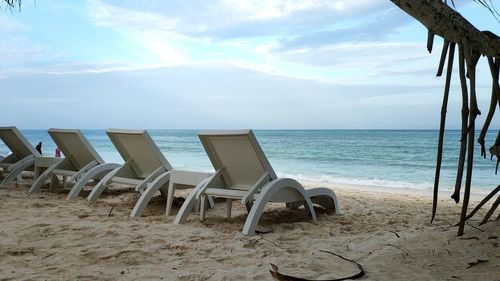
x,y
244,173
22,157
81,162
144,161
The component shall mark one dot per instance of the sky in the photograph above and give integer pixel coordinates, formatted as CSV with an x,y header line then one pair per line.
x,y
226,64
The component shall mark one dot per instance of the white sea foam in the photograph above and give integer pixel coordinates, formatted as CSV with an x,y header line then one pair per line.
x,y
375,182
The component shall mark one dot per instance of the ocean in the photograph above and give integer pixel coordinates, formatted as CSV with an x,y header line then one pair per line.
x,y
374,158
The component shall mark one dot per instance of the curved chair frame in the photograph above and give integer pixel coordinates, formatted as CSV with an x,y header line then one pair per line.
x,y
37,184
279,190
92,171
150,191
17,168
166,183
103,184
96,172
192,200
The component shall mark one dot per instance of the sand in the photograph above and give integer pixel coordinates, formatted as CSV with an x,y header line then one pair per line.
x,y
45,237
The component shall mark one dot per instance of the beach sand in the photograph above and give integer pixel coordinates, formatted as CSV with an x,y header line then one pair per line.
x,y
45,237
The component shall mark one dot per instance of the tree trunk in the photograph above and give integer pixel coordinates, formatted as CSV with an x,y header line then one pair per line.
x,y
441,20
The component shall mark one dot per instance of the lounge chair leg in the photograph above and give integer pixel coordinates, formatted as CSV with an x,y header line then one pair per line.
x,y
93,173
202,207
65,182
53,179
170,198
229,205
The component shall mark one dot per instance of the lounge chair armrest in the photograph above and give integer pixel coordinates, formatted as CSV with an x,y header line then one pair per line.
x,y
210,180
256,188
143,185
84,170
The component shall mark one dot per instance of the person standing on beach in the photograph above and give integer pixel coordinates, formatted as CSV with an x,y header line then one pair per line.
x,y
39,147
58,152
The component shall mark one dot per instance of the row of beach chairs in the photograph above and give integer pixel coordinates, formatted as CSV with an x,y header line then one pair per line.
x,y
242,172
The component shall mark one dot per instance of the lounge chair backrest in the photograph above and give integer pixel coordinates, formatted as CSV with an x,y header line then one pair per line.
x,y
73,142
17,143
240,156
139,147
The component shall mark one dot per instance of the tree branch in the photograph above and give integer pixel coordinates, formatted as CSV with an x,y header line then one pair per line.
x,y
442,20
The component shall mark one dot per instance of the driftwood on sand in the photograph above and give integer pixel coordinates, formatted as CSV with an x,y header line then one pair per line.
x,y
284,277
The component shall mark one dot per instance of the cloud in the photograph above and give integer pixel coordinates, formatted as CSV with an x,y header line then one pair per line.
x,y
216,96
118,17
355,54
8,26
377,28
17,49
154,32
267,34
229,19
358,62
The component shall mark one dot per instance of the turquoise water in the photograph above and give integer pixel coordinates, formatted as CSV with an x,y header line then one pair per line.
x,y
392,158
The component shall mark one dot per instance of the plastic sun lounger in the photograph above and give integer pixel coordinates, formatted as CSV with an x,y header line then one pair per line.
x,y
81,162
22,157
146,168
244,173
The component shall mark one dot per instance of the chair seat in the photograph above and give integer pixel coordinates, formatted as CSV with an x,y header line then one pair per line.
x,y
226,193
187,178
127,180
67,173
